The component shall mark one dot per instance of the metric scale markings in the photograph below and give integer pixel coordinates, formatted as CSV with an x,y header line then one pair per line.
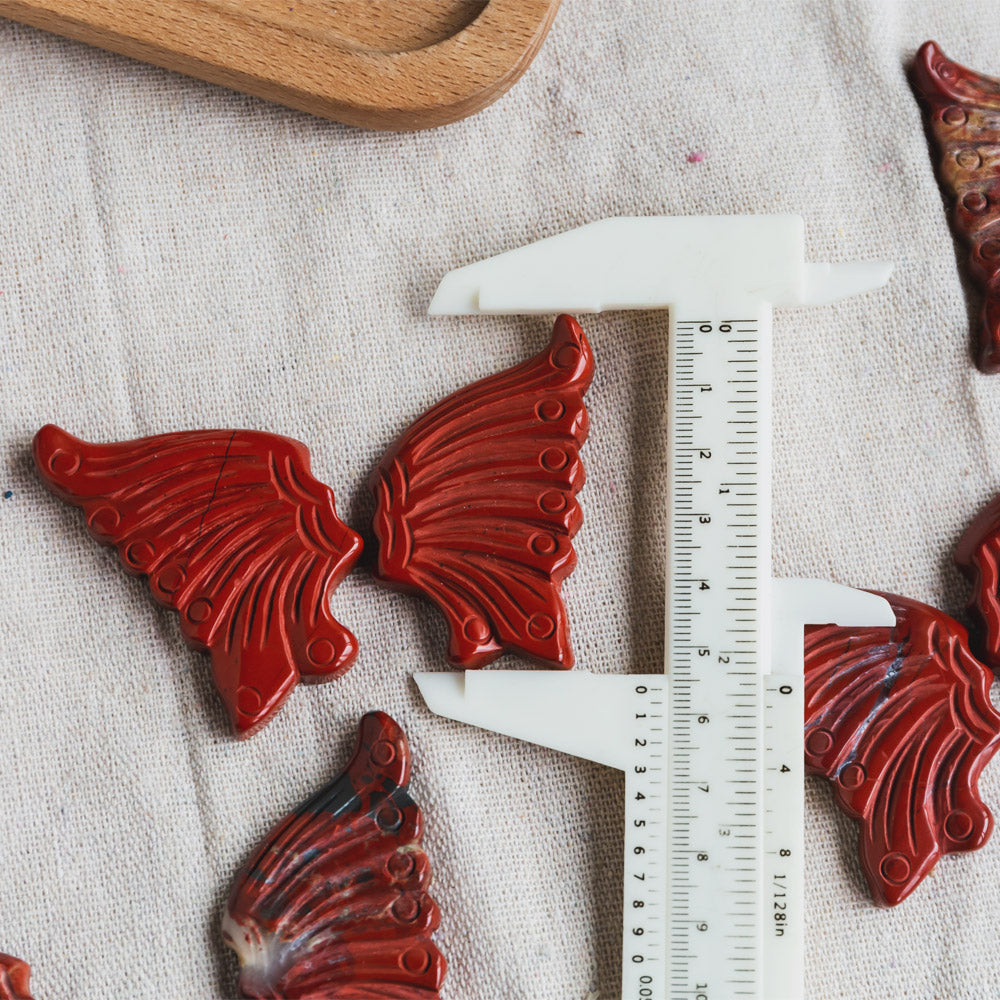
x,y
645,926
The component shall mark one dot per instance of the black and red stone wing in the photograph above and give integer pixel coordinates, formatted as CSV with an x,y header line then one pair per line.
x,y
901,722
14,979
236,535
476,504
978,557
334,904
963,119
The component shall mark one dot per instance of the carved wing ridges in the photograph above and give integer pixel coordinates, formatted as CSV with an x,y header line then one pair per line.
x,y
15,978
901,722
963,120
978,557
236,535
334,903
476,504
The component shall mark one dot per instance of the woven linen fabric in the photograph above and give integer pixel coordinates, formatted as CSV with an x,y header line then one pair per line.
x,y
175,256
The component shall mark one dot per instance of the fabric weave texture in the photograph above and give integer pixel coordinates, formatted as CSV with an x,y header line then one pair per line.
x,y
176,256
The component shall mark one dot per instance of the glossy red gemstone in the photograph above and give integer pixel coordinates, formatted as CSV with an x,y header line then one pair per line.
x,y
902,723
236,535
476,505
900,720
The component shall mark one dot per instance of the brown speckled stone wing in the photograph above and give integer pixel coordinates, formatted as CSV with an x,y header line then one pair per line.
x,y
963,118
334,905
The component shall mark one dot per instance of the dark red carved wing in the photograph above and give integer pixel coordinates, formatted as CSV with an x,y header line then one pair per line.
x,y
978,557
236,535
14,979
963,119
900,721
334,905
476,504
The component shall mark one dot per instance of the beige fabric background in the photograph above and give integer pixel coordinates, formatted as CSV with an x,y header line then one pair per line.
x,y
173,256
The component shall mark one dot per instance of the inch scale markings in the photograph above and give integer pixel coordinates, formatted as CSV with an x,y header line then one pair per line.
x,y
712,747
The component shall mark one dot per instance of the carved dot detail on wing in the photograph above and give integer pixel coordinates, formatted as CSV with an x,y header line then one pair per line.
x,y
852,776
541,626
895,868
200,610
64,463
819,742
543,545
968,159
954,116
401,866
249,701
959,825
550,410
104,520
552,502
990,250
406,909
383,753
171,578
389,817
975,201
416,961
322,652
476,630
140,554
567,356
554,459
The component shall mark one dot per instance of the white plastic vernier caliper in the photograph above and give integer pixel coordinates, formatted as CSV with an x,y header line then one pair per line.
x,y
712,749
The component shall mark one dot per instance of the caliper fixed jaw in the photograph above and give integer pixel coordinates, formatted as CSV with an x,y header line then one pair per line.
x,y
697,262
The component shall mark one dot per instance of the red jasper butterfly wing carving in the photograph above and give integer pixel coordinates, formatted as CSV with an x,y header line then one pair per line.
x,y
236,535
978,557
334,904
901,722
963,119
14,979
476,504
